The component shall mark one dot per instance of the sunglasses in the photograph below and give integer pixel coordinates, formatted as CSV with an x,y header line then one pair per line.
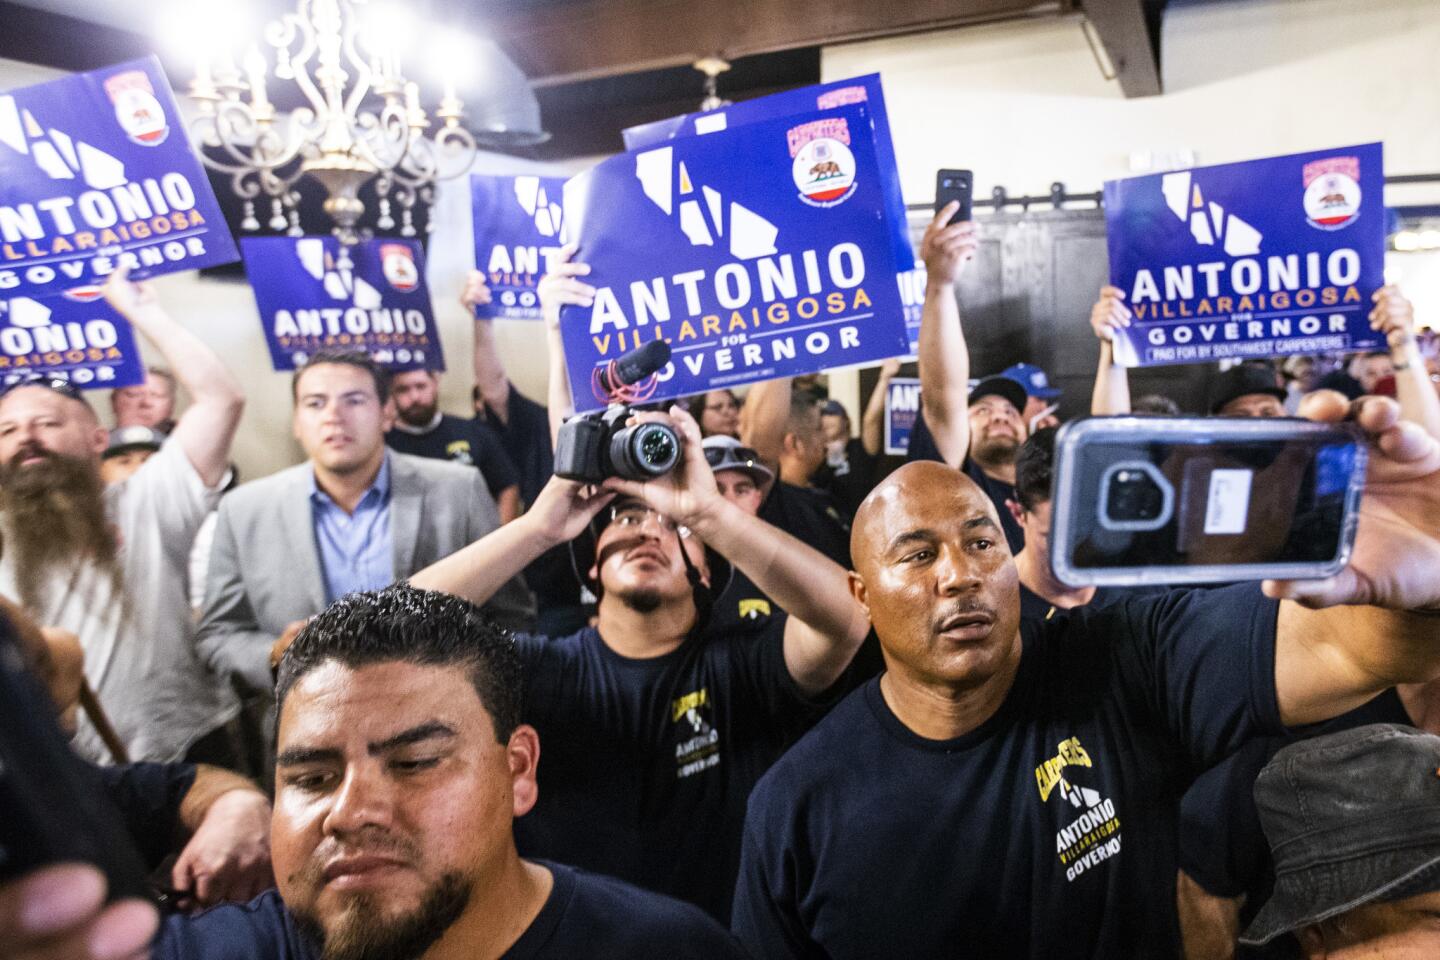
x,y
60,385
739,456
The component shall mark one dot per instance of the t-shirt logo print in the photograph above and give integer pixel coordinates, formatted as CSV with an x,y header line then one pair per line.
x,y
1093,836
697,747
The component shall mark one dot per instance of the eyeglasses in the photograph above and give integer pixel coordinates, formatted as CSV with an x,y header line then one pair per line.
x,y
59,384
731,456
632,516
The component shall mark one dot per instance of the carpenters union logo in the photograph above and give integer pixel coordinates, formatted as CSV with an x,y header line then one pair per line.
x,y
1332,192
823,166
136,109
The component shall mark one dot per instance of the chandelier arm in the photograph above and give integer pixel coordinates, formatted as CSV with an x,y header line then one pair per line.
x,y
298,24
229,131
363,74
384,140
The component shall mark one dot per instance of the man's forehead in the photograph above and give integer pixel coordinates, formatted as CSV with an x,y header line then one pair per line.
x,y
29,399
335,702
921,491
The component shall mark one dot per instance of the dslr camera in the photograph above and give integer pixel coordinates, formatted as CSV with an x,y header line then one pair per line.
x,y
596,445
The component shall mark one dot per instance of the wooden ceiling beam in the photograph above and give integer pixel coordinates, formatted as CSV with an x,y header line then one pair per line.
x,y
1131,40
586,39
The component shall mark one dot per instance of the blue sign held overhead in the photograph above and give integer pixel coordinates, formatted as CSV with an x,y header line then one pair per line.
x,y
758,252
902,407
1256,259
912,297
79,338
315,294
824,96
517,223
96,171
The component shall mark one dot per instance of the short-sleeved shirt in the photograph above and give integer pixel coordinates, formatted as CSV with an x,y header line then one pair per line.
x,y
526,439
1047,832
585,916
922,447
808,515
848,477
742,607
1035,607
647,762
148,796
471,443
139,644
1222,844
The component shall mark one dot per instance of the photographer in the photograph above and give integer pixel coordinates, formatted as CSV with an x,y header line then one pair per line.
x,y
1017,783
654,722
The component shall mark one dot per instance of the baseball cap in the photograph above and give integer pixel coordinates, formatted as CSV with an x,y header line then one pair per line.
x,y
1352,818
1240,381
834,408
999,386
126,439
727,453
1033,379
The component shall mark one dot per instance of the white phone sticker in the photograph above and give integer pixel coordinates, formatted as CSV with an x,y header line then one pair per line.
x,y
1229,501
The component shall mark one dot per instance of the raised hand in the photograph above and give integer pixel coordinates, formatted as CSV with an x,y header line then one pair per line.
x,y
476,292
686,494
946,249
560,287
1110,314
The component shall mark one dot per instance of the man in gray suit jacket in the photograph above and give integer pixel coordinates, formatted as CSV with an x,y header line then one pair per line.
x,y
353,517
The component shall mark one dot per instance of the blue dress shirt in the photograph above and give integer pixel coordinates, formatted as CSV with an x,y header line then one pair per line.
x,y
356,550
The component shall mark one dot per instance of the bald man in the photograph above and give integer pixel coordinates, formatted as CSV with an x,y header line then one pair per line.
x,y
1009,789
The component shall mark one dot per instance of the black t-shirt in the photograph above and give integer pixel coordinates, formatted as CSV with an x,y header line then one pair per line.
x,y
1222,845
922,447
1035,607
849,479
148,796
742,607
526,439
1047,832
585,916
810,516
647,763
466,442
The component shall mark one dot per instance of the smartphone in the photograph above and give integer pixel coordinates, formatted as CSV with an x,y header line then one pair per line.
x,y
52,808
953,185
1036,420
1162,500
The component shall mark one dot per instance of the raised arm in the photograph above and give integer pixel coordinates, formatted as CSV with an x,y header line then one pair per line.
x,y
1338,642
944,357
826,625
490,378
1394,316
872,422
1112,381
765,417
207,426
557,288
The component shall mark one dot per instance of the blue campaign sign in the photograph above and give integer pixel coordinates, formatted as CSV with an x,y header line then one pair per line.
x,y
517,231
912,297
824,96
314,294
95,171
78,337
1256,259
757,252
902,406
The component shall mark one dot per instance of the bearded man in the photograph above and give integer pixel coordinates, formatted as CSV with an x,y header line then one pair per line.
x,y
109,564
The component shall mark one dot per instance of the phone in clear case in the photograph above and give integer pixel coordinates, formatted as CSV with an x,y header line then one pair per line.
x,y
1176,500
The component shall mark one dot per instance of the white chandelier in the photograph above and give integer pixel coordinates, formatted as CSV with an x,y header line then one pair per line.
x,y
362,121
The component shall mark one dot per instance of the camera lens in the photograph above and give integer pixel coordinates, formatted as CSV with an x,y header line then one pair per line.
x,y
643,451
1134,497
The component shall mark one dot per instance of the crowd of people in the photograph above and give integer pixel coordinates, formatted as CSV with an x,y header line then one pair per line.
x,y
794,699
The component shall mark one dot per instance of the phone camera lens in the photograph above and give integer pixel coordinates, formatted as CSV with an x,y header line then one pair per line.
x,y
1134,497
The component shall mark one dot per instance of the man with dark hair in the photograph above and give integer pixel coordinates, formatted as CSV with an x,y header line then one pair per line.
x,y
1246,390
1013,784
353,517
402,766
422,430
656,724
109,563
979,430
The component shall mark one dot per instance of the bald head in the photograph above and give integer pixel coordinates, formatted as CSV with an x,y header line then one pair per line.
x,y
917,488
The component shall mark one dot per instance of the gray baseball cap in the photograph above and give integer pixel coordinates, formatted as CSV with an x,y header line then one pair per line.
x,y
1352,818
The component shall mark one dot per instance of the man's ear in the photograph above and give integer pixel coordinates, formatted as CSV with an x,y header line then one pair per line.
x,y
99,440
858,591
523,754
1016,511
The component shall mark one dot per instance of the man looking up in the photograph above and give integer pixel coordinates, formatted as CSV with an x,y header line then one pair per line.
x,y
1016,783
421,430
654,721
977,431
403,763
149,404
109,563
352,517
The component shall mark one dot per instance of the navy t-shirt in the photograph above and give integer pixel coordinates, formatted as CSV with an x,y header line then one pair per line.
x,y
810,516
585,916
465,442
848,478
646,764
742,607
922,447
1047,832
1035,607
148,796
